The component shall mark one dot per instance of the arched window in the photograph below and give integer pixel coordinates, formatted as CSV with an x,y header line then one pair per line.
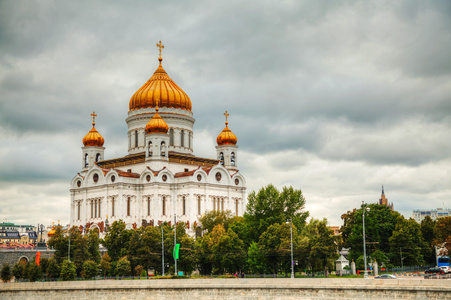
x,y
112,207
136,138
214,204
171,137
98,157
78,208
189,140
232,158
236,207
221,158
148,206
222,204
128,207
150,148
92,209
182,138
99,215
198,205
184,205
164,206
163,149
86,160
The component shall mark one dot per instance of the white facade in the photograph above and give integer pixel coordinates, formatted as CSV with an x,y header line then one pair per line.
x,y
435,214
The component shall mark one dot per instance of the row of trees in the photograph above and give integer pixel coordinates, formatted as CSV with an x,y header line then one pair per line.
x,y
391,239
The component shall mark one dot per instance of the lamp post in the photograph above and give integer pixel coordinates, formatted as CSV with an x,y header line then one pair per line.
x,y
364,243
291,239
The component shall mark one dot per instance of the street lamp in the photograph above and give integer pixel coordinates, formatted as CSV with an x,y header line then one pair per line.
x,y
291,238
364,243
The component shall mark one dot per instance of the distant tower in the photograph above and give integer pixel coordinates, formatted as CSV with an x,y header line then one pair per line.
x,y
93,149
384,201
227,150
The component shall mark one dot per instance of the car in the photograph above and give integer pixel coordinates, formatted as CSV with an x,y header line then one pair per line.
x,y
434,270
446,269
386,276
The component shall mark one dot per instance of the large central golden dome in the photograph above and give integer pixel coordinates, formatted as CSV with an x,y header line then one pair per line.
x,y
161,88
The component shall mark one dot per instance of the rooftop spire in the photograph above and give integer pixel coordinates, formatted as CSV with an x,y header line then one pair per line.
x,y
159,45
382,189
93,118
226,115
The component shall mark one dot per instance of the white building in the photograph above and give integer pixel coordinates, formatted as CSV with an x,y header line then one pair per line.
x,y
159,177
435,214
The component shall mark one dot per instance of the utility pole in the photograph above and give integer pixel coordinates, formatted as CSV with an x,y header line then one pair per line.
x,y
175,242
162,248
364,243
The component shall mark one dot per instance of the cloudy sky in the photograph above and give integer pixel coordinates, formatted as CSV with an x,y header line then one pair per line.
x,y
335,98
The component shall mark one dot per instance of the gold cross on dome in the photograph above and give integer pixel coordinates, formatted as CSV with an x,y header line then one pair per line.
x,y
93,117
159,45
226,115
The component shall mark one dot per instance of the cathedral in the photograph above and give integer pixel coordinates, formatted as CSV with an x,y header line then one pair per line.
x,y
159,180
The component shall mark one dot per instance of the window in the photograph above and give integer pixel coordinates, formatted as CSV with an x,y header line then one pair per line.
x,y
221,158
163,149
136,138
128,207
222,204
112,207
92,211
99,215
164,205
189,140
95,207
182,138
171,137
214,204
236,207
198,205
98,157
150,148
86,160
184,206
78,208
148,206
232,158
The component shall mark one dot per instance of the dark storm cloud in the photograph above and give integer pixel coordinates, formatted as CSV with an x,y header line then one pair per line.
x,y
317,91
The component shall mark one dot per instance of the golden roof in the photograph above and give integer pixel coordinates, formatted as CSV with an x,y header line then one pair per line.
x,y
93,138
51,232
157,124
161,88
226,137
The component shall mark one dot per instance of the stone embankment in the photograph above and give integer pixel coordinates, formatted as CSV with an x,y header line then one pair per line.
x,y
298,288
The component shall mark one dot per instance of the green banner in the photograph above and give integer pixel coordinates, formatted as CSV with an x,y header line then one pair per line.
x,y
175,253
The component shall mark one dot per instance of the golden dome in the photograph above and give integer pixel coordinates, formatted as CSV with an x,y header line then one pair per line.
x,y
51,232
226,137
157,124
160,87
93,138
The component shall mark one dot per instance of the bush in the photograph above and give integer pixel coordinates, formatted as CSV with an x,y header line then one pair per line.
x,y
34,271
53,270
6,273
139,270
18,271
68,270
227,276
90,269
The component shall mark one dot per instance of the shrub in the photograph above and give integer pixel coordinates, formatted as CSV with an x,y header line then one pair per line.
x,y
19,270
90,269
53,270
68,270
6,273
34,272
123,267
138,270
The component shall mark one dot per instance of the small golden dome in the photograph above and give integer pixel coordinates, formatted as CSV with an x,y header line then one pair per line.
x,y
160,87
51,232
157,124
226,137
93,138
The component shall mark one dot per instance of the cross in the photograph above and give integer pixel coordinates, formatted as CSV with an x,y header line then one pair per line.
x,y
159,45
226,115
93,117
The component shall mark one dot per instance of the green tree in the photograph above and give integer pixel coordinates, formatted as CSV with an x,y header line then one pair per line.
x,y
6,273
90,269
123,267
18,271
212,218
322,245
105,264
269,206
117,239
60,243
44,263
407,241
427,230
53,269
442,233
256,261
34,271
68,270
78,249
138,270
227,250
93,242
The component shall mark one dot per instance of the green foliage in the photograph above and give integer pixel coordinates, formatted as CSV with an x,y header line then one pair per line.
x,y
18,270
53,269
68,270
322,245
212,218
117,240
105,264
60,243
269,206
33,271
93,242
256,261
123,267
380,257
442,232
138,270
6,273
44,263
90,269
427,230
